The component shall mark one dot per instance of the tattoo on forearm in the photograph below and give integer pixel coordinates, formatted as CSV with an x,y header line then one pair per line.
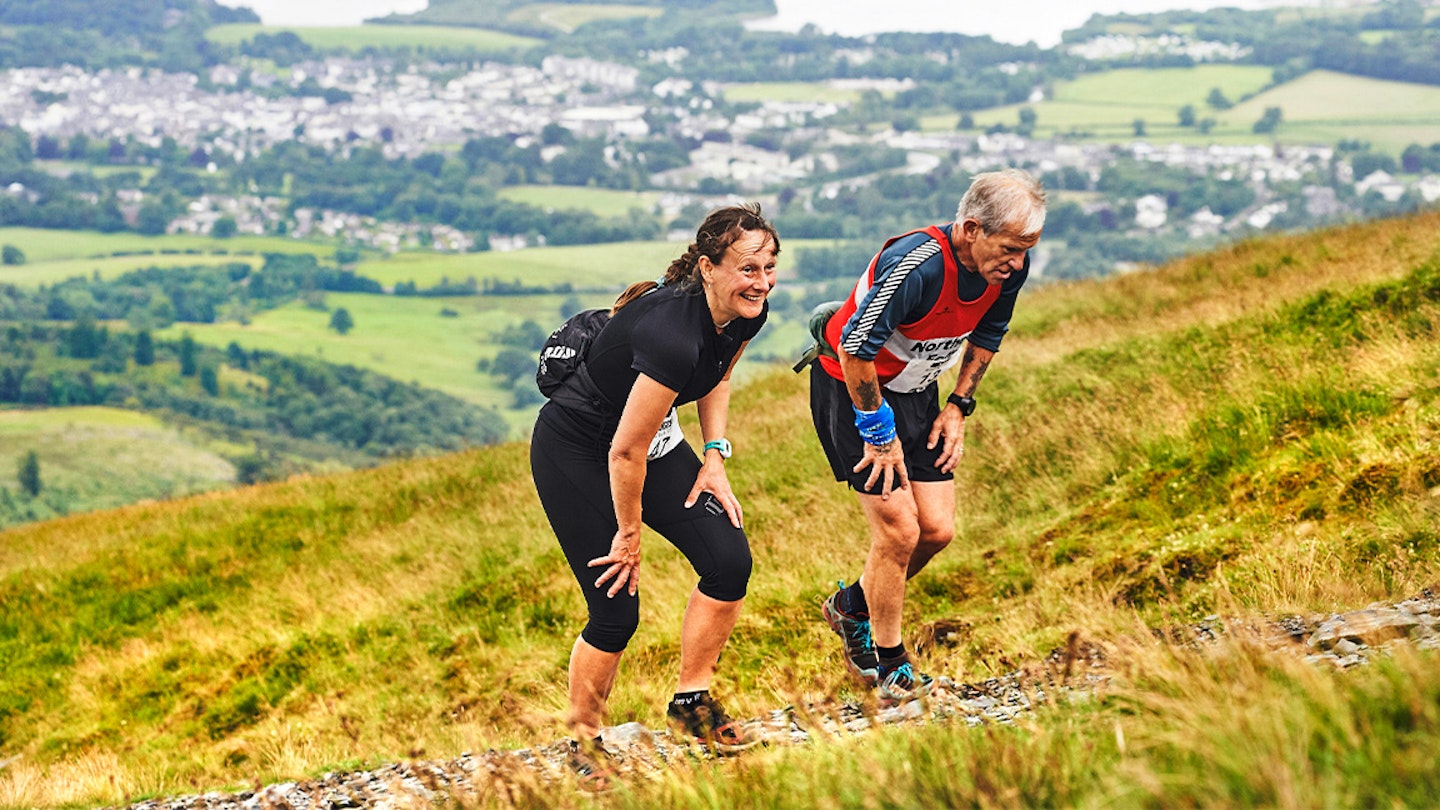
x,y
870,398
971,382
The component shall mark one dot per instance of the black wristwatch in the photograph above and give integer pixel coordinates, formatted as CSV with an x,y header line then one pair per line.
x,y
965,404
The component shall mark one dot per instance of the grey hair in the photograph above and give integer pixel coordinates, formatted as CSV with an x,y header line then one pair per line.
x,y
1000,199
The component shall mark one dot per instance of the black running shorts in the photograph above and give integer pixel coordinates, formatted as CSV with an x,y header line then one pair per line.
x,y
569,460
834,418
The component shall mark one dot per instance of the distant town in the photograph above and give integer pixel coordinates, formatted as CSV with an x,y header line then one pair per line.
x,y
231,113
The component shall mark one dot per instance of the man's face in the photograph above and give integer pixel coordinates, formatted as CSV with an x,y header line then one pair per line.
x,y
994,256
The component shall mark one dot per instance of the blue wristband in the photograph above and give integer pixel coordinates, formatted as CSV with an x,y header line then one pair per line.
x,y
876,427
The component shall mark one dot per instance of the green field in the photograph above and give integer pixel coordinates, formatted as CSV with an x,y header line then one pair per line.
x,y
790,91
99,458
1104,105
599,201
64,167
43,244
604,267
33,274
1167,88
566,17
52,256
406,338
1325,107
1320,107
379,36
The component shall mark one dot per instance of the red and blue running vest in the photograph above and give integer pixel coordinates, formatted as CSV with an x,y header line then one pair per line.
x,y
916,353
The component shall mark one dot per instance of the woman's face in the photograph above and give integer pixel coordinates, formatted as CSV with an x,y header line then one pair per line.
x,y
738,285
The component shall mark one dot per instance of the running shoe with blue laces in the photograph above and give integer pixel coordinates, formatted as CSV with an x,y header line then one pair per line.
x,y
902,683
860,655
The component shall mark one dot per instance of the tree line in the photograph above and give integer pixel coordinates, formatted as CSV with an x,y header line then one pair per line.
x,y
156,297
294,411
455,190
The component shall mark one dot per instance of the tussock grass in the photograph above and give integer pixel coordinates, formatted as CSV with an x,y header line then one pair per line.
x,y
1248,433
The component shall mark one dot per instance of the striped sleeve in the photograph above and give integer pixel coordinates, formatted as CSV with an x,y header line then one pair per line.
x,y
891,300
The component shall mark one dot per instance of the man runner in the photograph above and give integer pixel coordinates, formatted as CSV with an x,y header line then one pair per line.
x,y
876,408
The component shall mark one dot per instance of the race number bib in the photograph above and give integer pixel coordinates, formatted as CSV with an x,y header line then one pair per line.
x,y
925,360
667,438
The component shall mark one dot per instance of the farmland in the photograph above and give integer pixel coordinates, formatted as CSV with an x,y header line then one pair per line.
x,y
1319,107
606,267
600,201
45,244
52,256
567,17
380,36
1104,105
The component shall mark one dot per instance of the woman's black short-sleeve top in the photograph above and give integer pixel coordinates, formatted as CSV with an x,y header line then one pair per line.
x,y
670,337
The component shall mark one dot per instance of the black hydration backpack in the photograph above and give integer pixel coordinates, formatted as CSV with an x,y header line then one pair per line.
x,y
565,349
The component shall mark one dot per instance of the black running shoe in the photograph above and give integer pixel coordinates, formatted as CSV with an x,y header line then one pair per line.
x,y
591,764
706,722
860,655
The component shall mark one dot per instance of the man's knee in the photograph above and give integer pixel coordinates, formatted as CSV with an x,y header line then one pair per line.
x,y
935,538
896,539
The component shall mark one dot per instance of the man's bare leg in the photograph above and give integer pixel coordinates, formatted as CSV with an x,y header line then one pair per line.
x,y
894,532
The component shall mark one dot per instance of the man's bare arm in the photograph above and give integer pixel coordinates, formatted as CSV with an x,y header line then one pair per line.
x,y
972,369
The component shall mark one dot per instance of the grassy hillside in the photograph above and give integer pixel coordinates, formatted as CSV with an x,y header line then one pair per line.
x,y
100,458
1250,432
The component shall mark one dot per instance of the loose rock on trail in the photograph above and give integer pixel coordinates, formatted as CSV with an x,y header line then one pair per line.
x,y
1074,673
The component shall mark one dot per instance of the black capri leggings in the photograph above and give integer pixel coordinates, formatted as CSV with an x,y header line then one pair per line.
x,y
568,458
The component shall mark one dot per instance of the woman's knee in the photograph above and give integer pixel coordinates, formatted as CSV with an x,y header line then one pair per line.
x,y
611,630
728,575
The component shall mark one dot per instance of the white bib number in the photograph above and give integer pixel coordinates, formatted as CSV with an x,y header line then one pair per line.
x,y
925,360
667,438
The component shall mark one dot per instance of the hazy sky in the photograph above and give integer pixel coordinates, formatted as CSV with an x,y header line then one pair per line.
x,y
1016,21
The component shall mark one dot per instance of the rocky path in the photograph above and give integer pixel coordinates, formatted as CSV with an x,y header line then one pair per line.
x,y
1075,673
